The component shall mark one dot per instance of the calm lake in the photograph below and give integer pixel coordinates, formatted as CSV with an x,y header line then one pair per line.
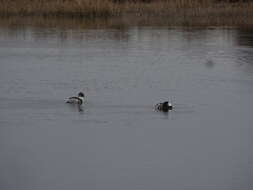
x,y
116,140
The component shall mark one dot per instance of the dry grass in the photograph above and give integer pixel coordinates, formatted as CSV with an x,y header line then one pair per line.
x,y
194,12
91,8
177,12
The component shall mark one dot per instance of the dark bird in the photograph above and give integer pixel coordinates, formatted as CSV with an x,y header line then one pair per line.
x,y
76,99
164,107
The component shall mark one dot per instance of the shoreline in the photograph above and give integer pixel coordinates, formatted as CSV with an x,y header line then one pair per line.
x,y
164,12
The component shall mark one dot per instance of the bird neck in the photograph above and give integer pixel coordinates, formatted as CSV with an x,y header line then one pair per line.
x,y
82,98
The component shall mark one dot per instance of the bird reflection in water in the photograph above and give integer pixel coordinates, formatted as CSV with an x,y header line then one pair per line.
x,y
76,107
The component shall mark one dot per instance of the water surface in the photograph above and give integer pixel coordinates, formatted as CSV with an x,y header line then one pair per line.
x,y
116,140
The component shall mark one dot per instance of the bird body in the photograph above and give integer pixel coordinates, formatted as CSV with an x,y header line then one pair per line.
x,y
164,107
76,99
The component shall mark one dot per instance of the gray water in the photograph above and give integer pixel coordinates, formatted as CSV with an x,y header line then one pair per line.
x,y
116,140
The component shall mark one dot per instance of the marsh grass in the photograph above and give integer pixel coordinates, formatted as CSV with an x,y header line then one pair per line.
x,y
88,8
173,12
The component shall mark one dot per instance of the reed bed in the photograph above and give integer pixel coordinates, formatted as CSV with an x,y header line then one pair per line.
x,y
174,12
79,8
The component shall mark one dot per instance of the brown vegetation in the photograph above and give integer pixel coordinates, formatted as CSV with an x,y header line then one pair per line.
x,y
213,12
78,8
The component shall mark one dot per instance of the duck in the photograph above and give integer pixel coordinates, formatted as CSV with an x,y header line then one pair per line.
x,y
164,106
79,99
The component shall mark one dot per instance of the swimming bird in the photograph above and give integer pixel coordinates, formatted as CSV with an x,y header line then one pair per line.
x,y
164,107
76,99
